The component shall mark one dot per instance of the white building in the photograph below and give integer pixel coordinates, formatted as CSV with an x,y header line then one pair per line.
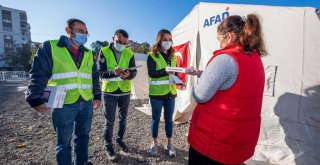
x,y
14,30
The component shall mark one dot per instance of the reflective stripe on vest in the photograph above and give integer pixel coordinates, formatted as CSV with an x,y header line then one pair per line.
x,y
75,86
57,76
161,86
163,82
113,79
113,84
78,82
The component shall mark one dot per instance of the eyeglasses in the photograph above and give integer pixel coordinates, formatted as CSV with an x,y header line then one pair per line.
x,y
81,31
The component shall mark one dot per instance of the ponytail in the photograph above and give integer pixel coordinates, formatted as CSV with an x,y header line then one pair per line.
x,y
248,31
251,36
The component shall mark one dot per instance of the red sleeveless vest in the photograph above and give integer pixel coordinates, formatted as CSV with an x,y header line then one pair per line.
x,y
226,128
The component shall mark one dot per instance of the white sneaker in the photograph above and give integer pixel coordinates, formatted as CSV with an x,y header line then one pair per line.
x,y
153,150
111,154
171,150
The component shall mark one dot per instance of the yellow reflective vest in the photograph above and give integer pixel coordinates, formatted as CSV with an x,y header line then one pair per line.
x,y
112,84
78,82
161,86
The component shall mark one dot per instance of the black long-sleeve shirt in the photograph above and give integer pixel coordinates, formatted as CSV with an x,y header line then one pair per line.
x,y
153,73
104,73
41,72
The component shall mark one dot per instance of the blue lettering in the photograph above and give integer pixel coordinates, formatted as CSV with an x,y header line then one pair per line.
x,y
225,15
211,20
206,23
218,19
215,19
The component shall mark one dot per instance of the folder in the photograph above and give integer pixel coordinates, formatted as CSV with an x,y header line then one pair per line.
x,y
178,69
53,96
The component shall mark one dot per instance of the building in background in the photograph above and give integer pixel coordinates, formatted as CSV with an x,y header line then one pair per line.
x,y
134,46
14,30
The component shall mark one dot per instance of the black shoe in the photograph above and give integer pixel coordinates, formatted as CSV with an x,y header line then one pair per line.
x,y
89,163
111,154
123,147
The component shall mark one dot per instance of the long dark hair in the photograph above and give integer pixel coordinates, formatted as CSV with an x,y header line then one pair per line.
x,y
248,31
157,46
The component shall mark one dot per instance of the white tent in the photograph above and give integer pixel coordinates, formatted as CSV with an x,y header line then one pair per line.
x,y
290,131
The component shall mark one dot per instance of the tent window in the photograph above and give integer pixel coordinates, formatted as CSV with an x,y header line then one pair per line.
x,y
270,73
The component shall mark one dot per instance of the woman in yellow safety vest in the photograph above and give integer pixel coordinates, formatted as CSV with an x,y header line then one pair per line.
x,y
162,94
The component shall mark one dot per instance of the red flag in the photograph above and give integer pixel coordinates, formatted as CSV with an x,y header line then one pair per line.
x,y
181,51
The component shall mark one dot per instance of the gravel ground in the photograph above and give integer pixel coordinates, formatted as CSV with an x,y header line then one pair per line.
x,y
27,137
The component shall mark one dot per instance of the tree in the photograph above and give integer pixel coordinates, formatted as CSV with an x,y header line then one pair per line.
x,y
25,56
19,57
96,46
10,58
34,49
145,47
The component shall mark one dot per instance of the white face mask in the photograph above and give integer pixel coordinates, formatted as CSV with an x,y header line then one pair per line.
x,y
119,47
166,44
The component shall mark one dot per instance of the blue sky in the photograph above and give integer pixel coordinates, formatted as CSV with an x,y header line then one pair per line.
x,y
141,18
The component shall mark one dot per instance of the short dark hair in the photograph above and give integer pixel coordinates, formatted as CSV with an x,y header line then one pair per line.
x,y
71,22
123,32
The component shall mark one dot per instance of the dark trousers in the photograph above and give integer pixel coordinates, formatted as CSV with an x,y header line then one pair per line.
x,y
110,107
76,118
196,158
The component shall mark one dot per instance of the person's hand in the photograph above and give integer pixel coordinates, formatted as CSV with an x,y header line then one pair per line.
x,y
124,74
96,104
117,71
169,72
41,108
195,72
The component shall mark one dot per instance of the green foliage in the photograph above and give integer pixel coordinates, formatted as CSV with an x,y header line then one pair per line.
x,y
20,57
34,49
145,47
97,45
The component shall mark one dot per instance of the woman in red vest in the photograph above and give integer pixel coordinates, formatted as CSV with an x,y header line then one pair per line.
x,y
225,124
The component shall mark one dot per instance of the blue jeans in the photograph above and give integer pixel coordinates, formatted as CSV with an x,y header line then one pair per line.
x,y
75,117
110,107
156,105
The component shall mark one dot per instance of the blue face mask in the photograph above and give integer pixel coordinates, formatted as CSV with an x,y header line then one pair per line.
x,y
80,39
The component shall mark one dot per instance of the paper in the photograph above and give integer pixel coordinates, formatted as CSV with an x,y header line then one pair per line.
x,y
133,68
61,97
53,96
175,80
178,69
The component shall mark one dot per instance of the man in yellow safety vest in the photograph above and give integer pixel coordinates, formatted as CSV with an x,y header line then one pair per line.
x,y
67,63
115,63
